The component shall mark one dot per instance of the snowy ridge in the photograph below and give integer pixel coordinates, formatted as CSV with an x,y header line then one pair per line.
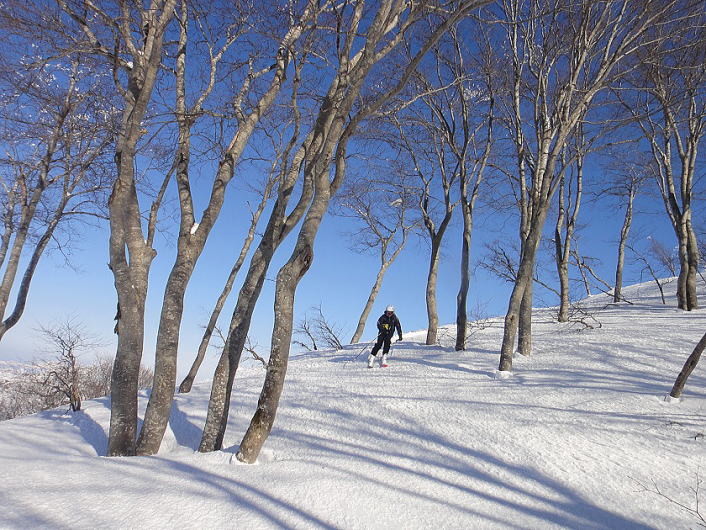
x,y
580,436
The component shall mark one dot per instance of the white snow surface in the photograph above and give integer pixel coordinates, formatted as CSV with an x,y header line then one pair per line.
x,y
579,436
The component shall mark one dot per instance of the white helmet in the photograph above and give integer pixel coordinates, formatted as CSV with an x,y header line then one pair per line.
x,y
390,308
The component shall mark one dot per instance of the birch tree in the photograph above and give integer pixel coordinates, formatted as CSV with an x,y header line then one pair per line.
x,y
627,176
193,234
382,208
57,126
426,145
669,105
563,56
389,24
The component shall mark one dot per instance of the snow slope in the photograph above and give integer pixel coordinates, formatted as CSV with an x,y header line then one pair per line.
x,y
579,437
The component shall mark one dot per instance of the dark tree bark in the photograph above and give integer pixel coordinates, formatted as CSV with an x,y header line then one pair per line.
x,y
689,366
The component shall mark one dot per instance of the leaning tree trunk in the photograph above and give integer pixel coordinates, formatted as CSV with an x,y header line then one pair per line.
x,y
624,232
288,279
517,298
689,366
224,375
374,291
278,228
23,291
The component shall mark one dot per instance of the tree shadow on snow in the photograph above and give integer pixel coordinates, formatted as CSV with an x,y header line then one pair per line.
x,y
414,456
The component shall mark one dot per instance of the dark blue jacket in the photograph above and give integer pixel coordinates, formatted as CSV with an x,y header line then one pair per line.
x,y
387,324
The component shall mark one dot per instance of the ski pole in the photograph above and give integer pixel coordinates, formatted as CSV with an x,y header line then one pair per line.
x,y
361,351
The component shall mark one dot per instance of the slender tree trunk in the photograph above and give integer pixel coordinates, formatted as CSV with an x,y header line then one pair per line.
x,y
188,381
689,366
624,232
524,278
524,331
432,312
369,304
288,279
462,297
562,267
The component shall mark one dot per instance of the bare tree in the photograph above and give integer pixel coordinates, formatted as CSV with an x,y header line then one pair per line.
x,y
563,56
388,26
305,328
319,329
382,207
570,194
56,127
258,71
643,257
423,141
62,376
629,175
459,97
669,105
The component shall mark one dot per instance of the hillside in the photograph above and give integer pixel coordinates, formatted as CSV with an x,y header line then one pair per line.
x,y
580,436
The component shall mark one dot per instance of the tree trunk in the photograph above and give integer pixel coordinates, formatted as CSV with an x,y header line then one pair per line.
x,y
693,259
432,312
524,336
562,267
462,297
369,304
287,281
276,231
624,232
224,376
131,277
689,366
23,291
524,277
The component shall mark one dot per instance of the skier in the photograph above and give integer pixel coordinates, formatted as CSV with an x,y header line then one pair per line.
x,y
387,324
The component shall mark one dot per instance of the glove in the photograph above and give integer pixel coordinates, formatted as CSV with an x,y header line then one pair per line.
x,y
386,326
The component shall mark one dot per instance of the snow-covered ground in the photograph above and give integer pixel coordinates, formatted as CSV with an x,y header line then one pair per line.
x,y
579,437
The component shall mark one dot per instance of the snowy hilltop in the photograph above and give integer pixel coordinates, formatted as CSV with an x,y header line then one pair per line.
x,y
580,436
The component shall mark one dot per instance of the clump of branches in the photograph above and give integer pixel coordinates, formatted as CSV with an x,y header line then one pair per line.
x,y
38,385
694,509
60,378
656,261
581,316
315,330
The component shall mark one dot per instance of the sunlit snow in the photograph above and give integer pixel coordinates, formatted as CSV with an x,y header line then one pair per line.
x,y
580,436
